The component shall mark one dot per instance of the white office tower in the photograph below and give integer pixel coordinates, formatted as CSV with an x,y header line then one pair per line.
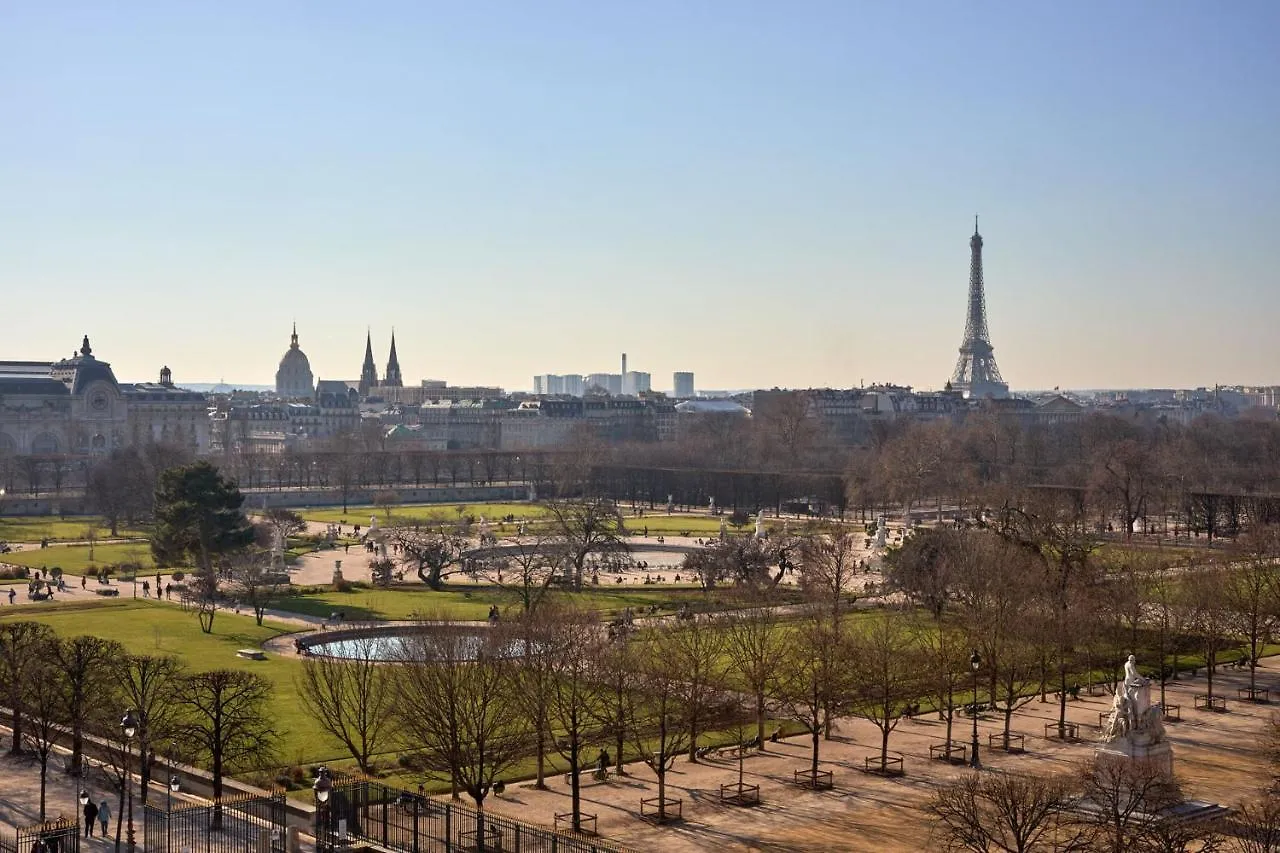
x,y
682,383
573,384
539,384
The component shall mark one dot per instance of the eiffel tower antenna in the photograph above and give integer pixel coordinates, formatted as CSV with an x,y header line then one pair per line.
x,y
976,374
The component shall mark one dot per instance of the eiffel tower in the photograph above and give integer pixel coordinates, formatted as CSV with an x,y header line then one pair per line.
x,y
976,373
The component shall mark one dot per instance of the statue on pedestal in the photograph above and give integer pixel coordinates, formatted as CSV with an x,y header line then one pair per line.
x,y
1135,729
760,524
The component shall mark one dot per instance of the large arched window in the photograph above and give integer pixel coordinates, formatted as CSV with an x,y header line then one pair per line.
x,y
8,445
45,444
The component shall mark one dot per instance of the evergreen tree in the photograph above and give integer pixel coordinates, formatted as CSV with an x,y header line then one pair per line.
x,y
198,516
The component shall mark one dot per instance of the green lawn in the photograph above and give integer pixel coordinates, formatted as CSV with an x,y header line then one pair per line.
x,y
473,602
74,559
33,528
146,627
417,512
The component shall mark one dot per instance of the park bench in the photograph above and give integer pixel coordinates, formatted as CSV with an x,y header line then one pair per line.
x,y
972,708
1016,743
1172,713
587,775
1205,702
953,752
586,822
662,809
110,591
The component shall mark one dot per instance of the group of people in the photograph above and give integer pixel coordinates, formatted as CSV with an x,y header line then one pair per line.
x,y
100,812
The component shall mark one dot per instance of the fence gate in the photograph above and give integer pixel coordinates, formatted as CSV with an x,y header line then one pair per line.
x,y
55,836
233,825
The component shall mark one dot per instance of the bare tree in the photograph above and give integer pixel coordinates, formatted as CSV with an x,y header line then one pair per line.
x,y
225,717
1127,799
988,812
756,641
459,706
526,568
745,560
1211,617
827,566
353,698
591,526
812,679
944,666
149,685
44,696
614,674
1258,825
886,670
697,649
90,671
283,523
657,714
435,548
575,645
254,580
1252,593
22,644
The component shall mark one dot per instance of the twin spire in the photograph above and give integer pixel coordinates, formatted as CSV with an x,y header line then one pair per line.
x,y
369,370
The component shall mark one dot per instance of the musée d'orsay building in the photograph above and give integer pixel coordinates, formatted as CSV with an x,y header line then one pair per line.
x,y
75,407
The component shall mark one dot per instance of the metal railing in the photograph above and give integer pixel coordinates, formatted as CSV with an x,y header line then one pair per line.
x,y
365,811
240,824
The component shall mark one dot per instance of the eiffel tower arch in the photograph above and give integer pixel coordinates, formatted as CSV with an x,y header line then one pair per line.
x,y
976,374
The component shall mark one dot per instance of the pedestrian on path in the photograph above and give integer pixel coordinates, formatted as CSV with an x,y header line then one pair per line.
x,y
104,815
90,815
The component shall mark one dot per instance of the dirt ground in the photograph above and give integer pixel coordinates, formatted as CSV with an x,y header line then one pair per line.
x,y
1216,755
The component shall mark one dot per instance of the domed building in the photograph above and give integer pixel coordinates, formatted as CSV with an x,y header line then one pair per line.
x,y
293,379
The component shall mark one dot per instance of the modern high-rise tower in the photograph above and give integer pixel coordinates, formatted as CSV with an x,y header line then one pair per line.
x,y
976,373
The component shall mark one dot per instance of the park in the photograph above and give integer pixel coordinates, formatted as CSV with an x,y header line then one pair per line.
x,y
602,675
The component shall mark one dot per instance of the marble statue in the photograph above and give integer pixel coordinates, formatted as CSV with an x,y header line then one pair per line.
x,y
882,531
724,530
671,504
711,505
760,524
1135,729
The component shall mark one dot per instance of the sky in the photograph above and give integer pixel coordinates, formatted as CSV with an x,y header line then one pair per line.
x,y
767,194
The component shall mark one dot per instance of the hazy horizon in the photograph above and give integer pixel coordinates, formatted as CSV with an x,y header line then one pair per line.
x,y
763,194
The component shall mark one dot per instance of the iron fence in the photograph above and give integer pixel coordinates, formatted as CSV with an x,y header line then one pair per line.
x,y
365,811
54,836
242,824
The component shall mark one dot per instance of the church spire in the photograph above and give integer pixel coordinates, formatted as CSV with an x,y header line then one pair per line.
x,y
293,340
392,377
369,371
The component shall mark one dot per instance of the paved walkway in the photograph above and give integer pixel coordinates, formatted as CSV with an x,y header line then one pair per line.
x,y
1217,756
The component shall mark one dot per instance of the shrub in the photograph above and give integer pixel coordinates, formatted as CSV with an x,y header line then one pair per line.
x,y
13,573
178,576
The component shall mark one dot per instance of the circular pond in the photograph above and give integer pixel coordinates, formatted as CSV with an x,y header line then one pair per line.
x,y
408,642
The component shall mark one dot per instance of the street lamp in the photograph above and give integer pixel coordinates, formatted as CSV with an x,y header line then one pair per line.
x,y
322,788
975,663
175,785
129,725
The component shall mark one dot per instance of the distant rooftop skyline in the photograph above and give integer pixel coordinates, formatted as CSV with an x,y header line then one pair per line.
x,y
764,194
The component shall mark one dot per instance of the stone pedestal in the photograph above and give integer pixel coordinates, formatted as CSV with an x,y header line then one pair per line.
x,y
337,572
1127,750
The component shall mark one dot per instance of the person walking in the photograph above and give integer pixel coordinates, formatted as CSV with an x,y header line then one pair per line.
x,y
90,815
104,815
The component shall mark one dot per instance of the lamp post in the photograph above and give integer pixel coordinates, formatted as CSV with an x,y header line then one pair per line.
x,y
129,726
175,785
322,788
84,801
975,663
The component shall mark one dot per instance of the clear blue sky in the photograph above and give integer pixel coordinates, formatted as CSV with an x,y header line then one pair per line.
x,y
764,193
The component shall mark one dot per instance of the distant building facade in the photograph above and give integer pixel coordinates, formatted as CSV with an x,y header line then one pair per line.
x,y
682,384
76,408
